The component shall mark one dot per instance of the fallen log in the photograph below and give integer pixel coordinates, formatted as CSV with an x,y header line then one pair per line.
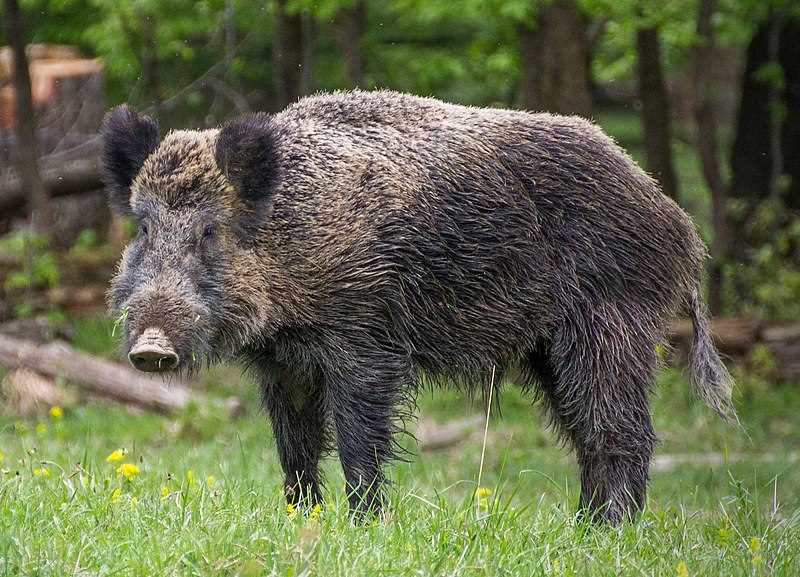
x,y
60,178
98,376
26,393
738,338
433,436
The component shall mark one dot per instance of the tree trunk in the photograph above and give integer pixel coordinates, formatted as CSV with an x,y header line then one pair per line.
x,y
554,56
707,141
150,62
41,215
754,165
307,69
349,32
288,55
790,62
655,110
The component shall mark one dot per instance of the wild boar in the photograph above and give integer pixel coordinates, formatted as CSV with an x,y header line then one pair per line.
x,y
355,241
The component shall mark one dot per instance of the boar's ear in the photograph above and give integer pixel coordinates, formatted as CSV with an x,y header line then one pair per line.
x,y
247,155
128,140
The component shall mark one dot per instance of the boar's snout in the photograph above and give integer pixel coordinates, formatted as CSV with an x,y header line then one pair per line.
x,y
153,352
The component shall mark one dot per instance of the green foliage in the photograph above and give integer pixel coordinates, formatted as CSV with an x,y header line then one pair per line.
x,y
766,280
38,267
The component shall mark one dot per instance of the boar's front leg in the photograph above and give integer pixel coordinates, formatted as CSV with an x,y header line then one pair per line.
x,y
366,395
296,407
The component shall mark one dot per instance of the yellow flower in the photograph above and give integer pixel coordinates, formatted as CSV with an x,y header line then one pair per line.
x,y
128,470
116,455
755,550
211,480
164,492
681,569
41,472
315,512
190,477
291,512
41,428
56,412
115,495
483,492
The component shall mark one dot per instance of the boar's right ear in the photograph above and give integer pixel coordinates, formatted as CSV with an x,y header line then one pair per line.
x,y
246,154
128,139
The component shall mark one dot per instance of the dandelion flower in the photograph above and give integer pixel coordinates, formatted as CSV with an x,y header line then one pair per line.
x,y
56,412
211,480
41,428
128,470
315,512
483,492
116,456
681,569
41,472
291,512
164,492
115,495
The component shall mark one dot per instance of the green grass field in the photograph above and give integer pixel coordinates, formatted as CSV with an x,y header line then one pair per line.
x,y
206,497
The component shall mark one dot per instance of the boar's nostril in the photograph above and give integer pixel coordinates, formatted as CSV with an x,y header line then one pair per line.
x,y
153,352
154,361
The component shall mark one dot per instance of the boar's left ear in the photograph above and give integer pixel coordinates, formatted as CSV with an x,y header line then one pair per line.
x,y
247,155
128,139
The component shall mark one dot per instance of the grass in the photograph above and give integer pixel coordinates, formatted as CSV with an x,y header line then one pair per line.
x,y
207,497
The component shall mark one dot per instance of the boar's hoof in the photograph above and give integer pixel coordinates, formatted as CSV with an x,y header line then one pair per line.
x,y
153,352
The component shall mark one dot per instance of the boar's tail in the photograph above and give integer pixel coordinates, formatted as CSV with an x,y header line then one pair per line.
x,y
707,373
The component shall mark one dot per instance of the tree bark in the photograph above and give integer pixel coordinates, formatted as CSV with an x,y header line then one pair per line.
x,y
707,142
554,56
288,55
349,27
41,215
656,121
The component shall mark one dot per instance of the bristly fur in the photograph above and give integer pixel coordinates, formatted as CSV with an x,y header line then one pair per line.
x,y
356,241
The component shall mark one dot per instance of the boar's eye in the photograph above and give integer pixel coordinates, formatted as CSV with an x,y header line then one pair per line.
x,y
206,233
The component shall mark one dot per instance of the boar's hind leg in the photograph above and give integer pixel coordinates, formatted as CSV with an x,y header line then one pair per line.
x,y
595,379
296,410
366,400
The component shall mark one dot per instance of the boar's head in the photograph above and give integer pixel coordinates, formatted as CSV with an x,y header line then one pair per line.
x,y
190,286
